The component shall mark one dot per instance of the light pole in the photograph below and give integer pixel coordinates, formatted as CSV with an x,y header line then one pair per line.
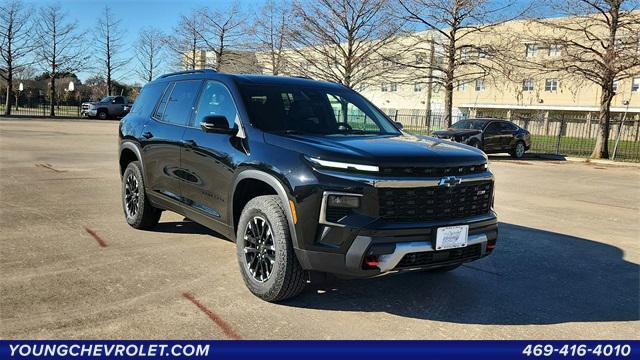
x,y
20,89
615,147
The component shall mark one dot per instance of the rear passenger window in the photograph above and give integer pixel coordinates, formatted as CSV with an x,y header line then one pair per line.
x,y
147,100
180,103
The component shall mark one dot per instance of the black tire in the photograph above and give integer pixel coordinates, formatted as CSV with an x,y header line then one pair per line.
x,y
518,150
138,211
444,269
286,278
102,115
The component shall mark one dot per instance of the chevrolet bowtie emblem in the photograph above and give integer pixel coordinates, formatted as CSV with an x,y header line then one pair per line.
x,y
449,181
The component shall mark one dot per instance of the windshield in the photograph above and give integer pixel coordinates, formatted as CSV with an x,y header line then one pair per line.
x,y
311,110
469,124
106,99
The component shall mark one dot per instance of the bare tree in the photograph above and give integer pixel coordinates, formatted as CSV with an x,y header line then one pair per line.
x,y
454,23
58,46
270,29
15,43
149,53
186,42
597,41
109,41
223,31
342,40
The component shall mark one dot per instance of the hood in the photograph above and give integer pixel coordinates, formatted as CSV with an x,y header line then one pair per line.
x,y
382,150
448,133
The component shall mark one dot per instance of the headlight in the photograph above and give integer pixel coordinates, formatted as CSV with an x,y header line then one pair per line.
x,y
343,165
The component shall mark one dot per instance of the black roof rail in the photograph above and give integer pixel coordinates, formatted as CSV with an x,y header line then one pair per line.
x,y
197,71
302,77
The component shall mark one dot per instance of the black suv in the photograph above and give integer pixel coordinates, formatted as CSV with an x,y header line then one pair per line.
x,y
489,135
306,176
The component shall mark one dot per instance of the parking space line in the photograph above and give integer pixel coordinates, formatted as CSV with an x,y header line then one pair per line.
x,y
226,328
93,234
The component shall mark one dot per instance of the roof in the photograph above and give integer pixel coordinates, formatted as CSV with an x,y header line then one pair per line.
x,y
255,79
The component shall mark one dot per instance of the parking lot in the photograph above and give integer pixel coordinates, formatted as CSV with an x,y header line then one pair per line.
x,y
566,264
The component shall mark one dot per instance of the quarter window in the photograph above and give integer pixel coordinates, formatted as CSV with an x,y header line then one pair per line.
x,y
163,102
216,100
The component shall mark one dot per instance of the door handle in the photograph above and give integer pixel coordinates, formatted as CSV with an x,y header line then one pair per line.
x,y
189,143
147,135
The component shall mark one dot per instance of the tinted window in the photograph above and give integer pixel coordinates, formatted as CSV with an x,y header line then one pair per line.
x,y
509,126
215,100
469,124
163,103
146,101
493,128
180,103
119,100
290,108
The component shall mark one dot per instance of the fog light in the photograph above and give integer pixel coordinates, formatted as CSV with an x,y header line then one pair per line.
x,y
343,201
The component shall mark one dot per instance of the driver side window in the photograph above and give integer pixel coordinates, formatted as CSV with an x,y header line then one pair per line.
x,y
353,116
215,100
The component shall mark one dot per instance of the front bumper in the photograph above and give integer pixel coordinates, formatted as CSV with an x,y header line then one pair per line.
x,y
89,112
403,249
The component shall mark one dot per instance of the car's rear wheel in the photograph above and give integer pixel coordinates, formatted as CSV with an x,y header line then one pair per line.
x,y
102,115
266,257
138,211
518,150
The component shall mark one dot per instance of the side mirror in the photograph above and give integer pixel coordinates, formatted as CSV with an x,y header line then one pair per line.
x,y
113,101
217,124
399,125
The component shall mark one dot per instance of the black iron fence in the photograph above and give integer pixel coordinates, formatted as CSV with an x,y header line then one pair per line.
x,y
557,134
40,106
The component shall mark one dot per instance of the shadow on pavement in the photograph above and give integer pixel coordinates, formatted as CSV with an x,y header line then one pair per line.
x,y
533,277
184,227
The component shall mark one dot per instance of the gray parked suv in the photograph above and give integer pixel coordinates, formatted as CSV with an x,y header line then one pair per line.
x,y
107,107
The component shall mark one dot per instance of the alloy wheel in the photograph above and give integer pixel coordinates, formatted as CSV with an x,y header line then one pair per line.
x,y
259,248
519,149
131,195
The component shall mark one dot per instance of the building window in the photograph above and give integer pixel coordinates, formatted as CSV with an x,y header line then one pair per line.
x,y
635,86
384,87
479,84
554,50
527,85
419,58
394,86
464,53
615,87
417,87
532,50
550,85
462,86
482,53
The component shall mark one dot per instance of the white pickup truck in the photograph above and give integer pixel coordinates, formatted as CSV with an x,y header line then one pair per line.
x,y
107,107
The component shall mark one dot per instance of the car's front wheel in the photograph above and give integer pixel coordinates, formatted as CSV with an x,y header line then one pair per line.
x,y
518,150
102,115
138,211
266,257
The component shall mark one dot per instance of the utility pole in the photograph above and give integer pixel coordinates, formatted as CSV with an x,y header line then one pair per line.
x,y
430,83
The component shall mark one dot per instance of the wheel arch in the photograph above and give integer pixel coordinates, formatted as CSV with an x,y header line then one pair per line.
x,y
259,179
129,152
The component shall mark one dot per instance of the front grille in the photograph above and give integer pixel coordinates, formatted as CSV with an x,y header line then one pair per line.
x,y
432,171
435,203
443,256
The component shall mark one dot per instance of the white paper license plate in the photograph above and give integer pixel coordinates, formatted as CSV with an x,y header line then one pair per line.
x,y
452,237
